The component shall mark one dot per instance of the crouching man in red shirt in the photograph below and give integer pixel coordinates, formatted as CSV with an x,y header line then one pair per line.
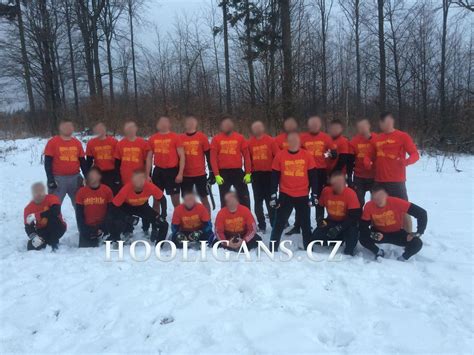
x,y
93,205
132,203
235,224
343,213
382,222
191,222
44,223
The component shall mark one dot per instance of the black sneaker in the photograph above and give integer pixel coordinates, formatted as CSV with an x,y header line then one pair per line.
x,y
380,254
294,230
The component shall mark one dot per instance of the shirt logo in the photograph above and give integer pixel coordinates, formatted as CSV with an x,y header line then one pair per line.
x,y
260,152
384,219
234,225
132,154
191,147
336,208
89,201
229,147
294,167
191,222
68,154
103,152
162,146
362,149
315,148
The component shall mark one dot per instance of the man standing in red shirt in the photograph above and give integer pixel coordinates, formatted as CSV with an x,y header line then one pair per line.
x,y
93,204
196,150
293,174
382,222
363,179
168,161
236,225
289,125
43,221
132,202
262,150
343,211
63,158
228,150
100,153
341,143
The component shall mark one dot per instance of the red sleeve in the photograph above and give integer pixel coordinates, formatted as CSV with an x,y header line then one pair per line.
x,y
178,141
410,148
214,152
205,143
176,220
367,213
220,230
246,155
251,226
80,196
118,151
369,157
49,150
310,160
352,200
330,143
274,147
156,191
121,196
146,148
80,148
90,148
403,205
204,215
276,162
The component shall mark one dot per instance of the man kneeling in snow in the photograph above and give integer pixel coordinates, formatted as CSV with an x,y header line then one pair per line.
x,y
93,203
44,224
382,222
191,222
235,225
132,202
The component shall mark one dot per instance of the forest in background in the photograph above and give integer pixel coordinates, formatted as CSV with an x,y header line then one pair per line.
x,y
253,59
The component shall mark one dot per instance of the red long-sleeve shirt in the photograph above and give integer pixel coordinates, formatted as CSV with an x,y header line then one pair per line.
x,y
388,154
361,147
262,151
240,222
318,144
228,151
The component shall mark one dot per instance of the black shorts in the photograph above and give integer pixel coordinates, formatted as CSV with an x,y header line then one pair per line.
x,y
164,178
195,183
396,189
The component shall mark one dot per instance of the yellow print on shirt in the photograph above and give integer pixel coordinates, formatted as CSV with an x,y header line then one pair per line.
x,y
260,152
229,147
380,148
137,201
234,225
132,154
103,152
162,146
191,222
191,147
294,167
362,149
336,208
384,219
89,201
316,148
68,154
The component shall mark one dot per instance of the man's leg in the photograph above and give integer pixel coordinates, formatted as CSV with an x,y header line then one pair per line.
x,y
267,193
53,231
159,228
281,218
258,187
252,244
200,182
321,182
369,243
75,183
350,237
400,238
171,186
61,190
241,188
303,211
117,223
359,187
225,187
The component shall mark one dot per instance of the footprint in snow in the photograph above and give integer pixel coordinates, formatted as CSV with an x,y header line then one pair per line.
x,y
167,320
340,339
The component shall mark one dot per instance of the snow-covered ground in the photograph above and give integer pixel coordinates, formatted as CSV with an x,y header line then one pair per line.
x,y
73,301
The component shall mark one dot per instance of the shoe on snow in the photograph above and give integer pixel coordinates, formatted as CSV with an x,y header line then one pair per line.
x,y
401,258
294,230
380,254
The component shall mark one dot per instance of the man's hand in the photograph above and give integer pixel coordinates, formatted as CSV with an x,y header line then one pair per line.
x,y
334,232
31,218
36,240
313,200
211,179
248,178
52,185
410,236
179,179
377,236
219,180
274,201
235,243
161,219
327,153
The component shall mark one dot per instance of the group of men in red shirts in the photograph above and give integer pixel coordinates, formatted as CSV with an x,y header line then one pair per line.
x,y
291,171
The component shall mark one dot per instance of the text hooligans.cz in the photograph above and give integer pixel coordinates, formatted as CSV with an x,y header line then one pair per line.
x,y
169,253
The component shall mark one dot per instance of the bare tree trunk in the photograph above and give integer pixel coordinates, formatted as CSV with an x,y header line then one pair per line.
x,y
71,58
226,58
250,55
442,68
357,48
287,94
132,45
382,64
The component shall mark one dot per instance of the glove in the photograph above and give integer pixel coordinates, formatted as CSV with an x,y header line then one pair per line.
x,y
180,237
52,185
273,201
195,236
36,240
161,219
31,218
321,222
334,232
248,178
219,180
377,236
211,179
327,153
313,200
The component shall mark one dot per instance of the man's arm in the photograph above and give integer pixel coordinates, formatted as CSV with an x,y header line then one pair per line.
x,y
350,168
84,166
413,155
364,229
48,167
313,181
275,181
148,163
90,161
214,164
81,224
421,217
182,161
353,216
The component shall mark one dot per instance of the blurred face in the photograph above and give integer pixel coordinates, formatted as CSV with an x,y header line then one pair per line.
x,y
294,141
100,130
163,124
138,180
335,130
38,193
130,130
314,124
363,127
93,178
290,125
231,201
258,129
66,129
338,183
189,200
380,198
190,124
227,126
387,124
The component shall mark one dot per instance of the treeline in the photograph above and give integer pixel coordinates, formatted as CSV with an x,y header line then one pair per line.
x,y
264,59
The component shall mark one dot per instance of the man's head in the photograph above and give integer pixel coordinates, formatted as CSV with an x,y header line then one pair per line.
x,y
38,192
163,124
290,125
314,124
257,128
363,126
130,129
379,195
93,177
294,142
99,129
66,128
190,123
336,128
387,122
189,200
337,181
227,125
138,179
231,201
